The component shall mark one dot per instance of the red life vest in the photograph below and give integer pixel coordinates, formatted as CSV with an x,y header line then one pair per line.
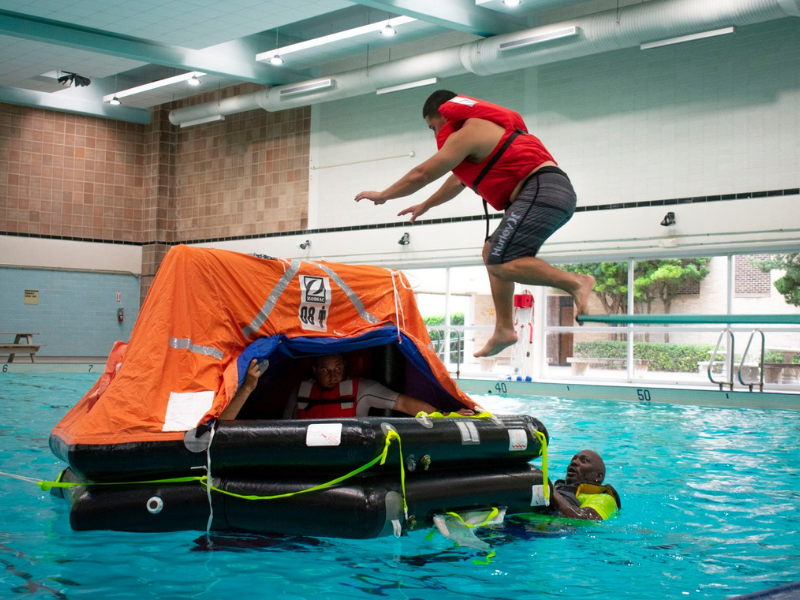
x,y
522,156
315,402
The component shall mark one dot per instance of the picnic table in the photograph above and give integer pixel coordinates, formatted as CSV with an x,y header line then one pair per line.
x,y
18,346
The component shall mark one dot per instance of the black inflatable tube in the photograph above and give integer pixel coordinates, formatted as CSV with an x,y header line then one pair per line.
x,y
282,446
360,508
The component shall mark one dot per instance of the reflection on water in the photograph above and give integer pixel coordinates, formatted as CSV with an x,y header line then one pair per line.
x,y
710,510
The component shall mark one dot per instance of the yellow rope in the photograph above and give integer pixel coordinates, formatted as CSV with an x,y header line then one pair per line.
x,y
545,483
46,485
492,515
454,415
391,435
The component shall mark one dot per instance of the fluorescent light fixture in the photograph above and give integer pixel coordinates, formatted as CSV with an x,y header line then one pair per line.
x,y
407,86
540,37
153,85
334,37
688,38
306,87
212,119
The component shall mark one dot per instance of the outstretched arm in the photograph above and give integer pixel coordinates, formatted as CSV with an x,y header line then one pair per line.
x,y
243,393
457,148
449,190
372,394
412,406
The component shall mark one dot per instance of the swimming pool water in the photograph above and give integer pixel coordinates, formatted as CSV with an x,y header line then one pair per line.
x,y
710,510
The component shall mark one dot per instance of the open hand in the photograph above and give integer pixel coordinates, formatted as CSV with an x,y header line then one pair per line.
x,y
374,196
415,211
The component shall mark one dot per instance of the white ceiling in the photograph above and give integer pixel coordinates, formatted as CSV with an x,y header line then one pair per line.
x,y
119,43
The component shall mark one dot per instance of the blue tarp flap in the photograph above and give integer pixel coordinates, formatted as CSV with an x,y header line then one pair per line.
x,y
303,347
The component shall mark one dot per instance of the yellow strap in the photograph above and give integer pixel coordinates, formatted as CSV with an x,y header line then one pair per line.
x,y
454,415
546,484
390,436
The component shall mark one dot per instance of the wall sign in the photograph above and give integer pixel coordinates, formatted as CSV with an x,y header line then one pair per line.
x,y
31,296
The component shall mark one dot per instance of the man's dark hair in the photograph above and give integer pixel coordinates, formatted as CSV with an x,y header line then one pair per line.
x,y
434,101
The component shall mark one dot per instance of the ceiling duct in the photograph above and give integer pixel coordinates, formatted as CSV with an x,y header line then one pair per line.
x,y
601,32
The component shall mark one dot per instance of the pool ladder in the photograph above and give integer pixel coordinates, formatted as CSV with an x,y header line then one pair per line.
x,y
729,360
439,343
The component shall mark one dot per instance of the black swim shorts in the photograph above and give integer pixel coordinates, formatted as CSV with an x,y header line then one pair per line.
x,y
545,203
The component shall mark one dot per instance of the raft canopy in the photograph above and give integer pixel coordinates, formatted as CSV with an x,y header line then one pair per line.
x,y
209,312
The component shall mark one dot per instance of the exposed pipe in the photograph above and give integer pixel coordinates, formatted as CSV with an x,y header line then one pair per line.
x,y
601,32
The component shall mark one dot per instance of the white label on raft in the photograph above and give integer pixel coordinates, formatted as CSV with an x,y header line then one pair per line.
x,y
537,496
517,440
324,434
315,302
185,409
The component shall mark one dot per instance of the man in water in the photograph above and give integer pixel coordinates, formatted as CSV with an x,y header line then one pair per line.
x,y
488,148
581,494
331,395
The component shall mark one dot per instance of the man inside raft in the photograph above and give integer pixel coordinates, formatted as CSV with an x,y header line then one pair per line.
x,y
331,395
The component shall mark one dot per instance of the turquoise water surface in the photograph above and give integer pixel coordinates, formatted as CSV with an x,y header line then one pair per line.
x,y
710,510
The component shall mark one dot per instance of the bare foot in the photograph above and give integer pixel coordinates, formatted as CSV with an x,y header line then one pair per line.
x,y
497,343
581,296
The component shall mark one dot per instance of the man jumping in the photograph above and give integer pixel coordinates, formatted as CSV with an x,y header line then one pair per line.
x,y
488,148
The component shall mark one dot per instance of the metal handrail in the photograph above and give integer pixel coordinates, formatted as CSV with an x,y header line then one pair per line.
x,y
760,381
728,360
440,342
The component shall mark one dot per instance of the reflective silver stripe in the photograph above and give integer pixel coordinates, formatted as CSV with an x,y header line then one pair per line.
x,y
305,389
469,433
186,344
347,405
346,387
276,292
302,405
362,312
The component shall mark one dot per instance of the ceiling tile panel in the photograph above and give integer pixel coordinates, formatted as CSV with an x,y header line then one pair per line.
x,y
23,59
199,16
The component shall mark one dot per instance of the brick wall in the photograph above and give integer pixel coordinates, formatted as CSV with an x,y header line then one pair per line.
x,y
85,177
69,175
748,280
246,175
